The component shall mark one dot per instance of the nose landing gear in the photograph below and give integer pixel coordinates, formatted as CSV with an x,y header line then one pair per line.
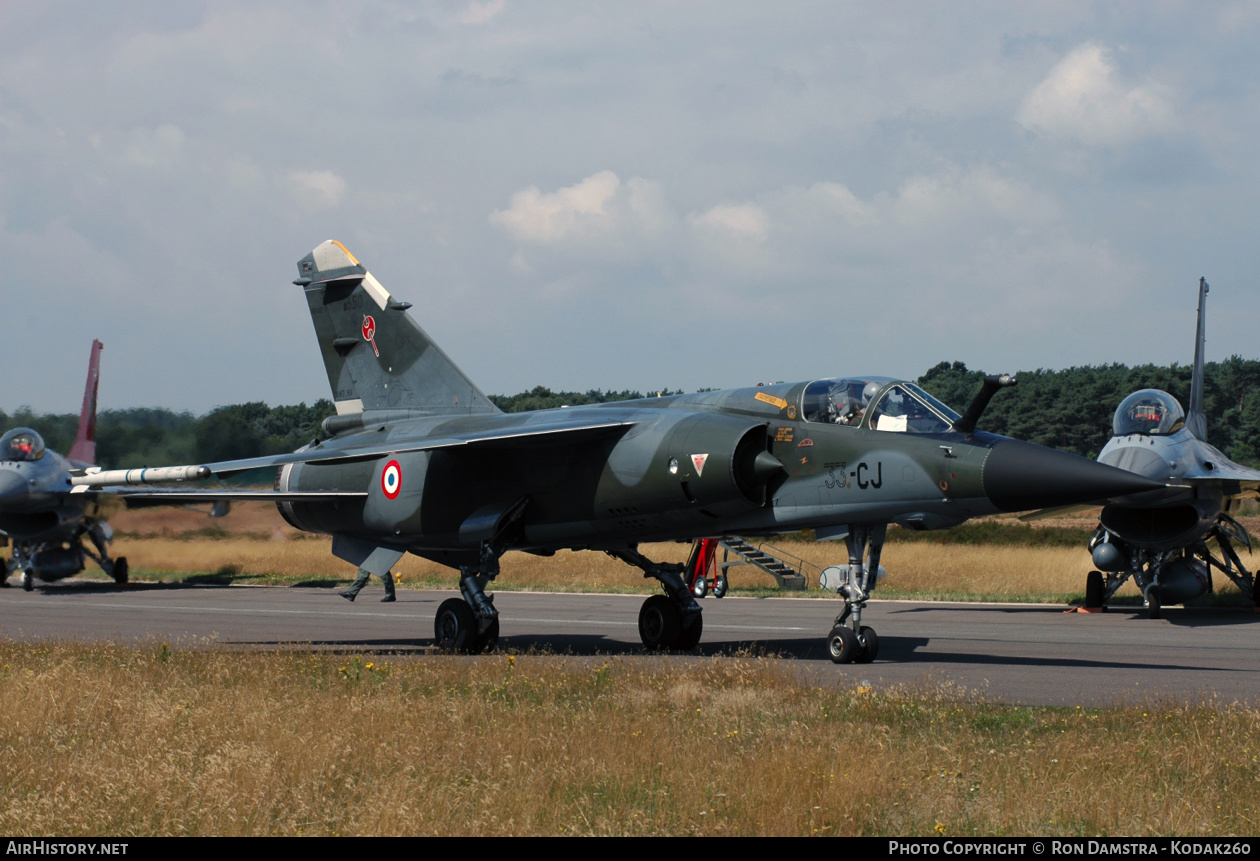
x,y
850,641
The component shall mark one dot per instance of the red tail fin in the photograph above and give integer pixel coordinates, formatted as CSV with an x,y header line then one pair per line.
x,y
84,448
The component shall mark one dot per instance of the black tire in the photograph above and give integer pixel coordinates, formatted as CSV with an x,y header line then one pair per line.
x,y
720,587
689,637
1093,590
660,623
842,645
454,626
120,570
869,643
485,642
700,587
1154,607
28,580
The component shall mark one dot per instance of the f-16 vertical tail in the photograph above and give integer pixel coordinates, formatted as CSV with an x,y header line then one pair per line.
x,y
1196,422
84,448
376,356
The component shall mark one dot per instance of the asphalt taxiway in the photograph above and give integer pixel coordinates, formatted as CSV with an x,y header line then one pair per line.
x,y
1017,653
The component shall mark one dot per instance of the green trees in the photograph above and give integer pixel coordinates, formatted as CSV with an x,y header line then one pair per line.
x,y
543,398
150,437
1069,409
1072,409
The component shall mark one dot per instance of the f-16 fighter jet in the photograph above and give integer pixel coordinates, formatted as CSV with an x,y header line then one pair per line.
x,y
419,461
47,521
1161,539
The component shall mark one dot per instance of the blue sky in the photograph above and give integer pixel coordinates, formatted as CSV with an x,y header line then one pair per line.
x,y
622,195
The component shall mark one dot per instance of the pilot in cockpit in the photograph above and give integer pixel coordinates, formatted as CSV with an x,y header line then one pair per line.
x,y
21,444
851,415
857,406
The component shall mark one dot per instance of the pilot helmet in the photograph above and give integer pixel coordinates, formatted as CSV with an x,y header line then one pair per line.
x,y
1148,411
869,392
21,444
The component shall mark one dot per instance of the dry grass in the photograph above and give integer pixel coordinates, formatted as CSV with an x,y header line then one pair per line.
x,y
915,569
254,543
112,740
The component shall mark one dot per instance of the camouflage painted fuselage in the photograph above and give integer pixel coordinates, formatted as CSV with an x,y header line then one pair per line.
x,y
675,468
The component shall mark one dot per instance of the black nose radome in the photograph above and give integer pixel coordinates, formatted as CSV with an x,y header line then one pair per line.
x,y
1021,476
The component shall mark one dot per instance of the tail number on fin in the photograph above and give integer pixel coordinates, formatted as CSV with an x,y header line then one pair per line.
x,y
391,480
369,335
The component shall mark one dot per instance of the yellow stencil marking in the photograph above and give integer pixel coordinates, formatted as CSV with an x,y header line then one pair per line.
x,y
770,399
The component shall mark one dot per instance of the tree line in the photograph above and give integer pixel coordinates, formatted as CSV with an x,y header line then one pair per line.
x,y
1072,409
1068,409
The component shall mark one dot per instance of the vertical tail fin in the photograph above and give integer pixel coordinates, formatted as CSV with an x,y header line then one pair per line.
x,y
84,448
376,356
1196,422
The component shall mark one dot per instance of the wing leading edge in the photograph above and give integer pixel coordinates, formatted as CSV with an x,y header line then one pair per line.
x,y
105,481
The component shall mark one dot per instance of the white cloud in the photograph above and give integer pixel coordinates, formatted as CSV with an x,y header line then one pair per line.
x,y
743,220
882,172
315,189
481,13
1082,99
600,206
977,193
158,148
834,198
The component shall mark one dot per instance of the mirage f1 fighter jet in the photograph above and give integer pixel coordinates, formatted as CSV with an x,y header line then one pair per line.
x,y
46,519
419,461
1161,539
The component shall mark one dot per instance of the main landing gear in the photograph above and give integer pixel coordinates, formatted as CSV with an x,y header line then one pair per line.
x,y
850,641
1169,576
669,622
470,625
101,534
56,560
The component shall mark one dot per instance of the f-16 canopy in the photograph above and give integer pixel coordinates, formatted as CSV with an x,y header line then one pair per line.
x,y
21,444
1148,411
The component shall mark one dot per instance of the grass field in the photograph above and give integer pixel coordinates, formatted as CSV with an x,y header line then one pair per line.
x,y
168,739
110,740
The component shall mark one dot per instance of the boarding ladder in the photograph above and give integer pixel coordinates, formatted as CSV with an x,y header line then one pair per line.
x,y
789,571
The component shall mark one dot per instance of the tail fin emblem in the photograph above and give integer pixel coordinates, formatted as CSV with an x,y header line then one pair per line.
x,y
369,333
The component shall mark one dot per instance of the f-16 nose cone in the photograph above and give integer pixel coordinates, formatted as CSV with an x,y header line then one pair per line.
x,y
13,490
1020,476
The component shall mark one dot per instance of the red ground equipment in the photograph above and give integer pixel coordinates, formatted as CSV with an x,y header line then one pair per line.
x,y
702,570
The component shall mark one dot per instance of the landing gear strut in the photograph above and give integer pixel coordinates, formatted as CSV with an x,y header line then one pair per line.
x,y
22,562
1150,568
672,621
850,641
101,534
470,625
54,560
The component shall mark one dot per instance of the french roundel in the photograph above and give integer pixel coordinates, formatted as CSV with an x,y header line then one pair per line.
x,y
391,480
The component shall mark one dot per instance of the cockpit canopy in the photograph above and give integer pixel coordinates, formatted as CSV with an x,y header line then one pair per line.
x,y
1148,411
881,403
21,444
